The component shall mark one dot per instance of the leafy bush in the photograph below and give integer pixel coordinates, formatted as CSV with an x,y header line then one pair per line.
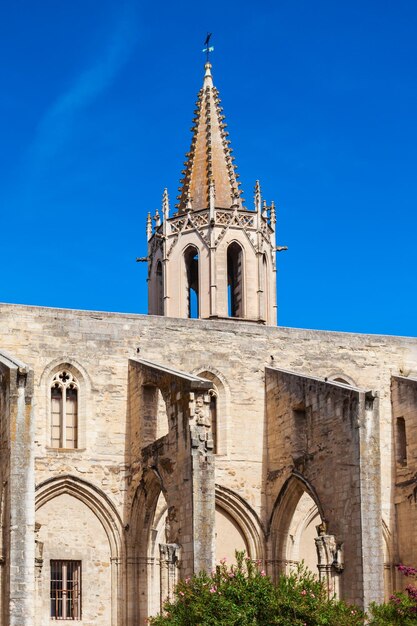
x,y
243,595
401,608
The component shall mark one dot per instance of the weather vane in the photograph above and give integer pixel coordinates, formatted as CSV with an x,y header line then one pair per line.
x,y
207,48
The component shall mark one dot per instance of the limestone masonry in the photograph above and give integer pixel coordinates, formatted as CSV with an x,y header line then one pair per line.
x,y
140,449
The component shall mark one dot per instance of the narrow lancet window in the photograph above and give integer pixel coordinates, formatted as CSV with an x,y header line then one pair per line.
x,y
159,289
235,280
401,442
265,288
192,282
64,411
213,419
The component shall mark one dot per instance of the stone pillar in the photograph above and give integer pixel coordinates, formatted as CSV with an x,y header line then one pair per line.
x,y
203,485
22,505
18,493
370,490
169,553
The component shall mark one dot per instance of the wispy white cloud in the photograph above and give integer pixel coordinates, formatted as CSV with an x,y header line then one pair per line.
x,y
58,122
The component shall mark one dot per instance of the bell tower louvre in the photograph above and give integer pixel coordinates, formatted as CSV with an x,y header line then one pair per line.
x,y
213,257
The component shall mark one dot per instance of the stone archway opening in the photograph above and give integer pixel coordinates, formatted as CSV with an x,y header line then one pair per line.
x,y
301,545
156,539
299,533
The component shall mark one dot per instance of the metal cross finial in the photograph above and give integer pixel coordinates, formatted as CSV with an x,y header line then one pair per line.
x,y
207,48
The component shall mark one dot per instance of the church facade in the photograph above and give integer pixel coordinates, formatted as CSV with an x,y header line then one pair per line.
x,y
140,449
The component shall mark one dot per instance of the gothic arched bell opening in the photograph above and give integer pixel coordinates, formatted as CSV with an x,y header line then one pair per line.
x,y
192,281
235,280
159,289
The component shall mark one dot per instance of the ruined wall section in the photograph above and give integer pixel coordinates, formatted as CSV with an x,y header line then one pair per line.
x,y
179,464
325,435
182,459
404,424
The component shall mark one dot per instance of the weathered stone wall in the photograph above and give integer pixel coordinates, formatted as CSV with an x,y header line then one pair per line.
x,y
180,464
99,346
325,436
404,407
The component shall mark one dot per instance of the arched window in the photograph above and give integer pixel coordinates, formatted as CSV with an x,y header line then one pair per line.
x,y
159,289
64,410
213,418
219,409
265,288
192,281
235,280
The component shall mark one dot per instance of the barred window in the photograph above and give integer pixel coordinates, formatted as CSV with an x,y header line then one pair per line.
x,y
66,590
64,411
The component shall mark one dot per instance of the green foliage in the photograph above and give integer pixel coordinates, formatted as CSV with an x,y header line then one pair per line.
x,y
242,595
400,610
402,606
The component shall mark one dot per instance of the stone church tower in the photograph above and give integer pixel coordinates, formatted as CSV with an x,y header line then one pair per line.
x,y
140,449
213,258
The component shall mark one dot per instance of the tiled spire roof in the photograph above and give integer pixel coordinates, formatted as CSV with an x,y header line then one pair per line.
x,y
210,158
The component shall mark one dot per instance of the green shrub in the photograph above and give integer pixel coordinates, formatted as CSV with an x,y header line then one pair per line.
x,y
401,608
242,595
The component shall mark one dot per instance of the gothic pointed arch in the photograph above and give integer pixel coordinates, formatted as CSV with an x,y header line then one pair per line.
x,y
159,288
96,500
219,407
143,518
297,511
94,537
235,280
245,519
191,293
265,305
66,403
389,568
343,378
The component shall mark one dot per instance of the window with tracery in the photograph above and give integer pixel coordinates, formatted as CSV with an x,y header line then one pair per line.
x,y
64,410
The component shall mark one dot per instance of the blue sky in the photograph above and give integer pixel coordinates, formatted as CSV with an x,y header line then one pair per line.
x,y
320,100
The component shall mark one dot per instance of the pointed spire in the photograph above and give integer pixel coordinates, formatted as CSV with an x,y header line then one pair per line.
x,y
157,218
272,214
210,156
257,197
149,226
165,205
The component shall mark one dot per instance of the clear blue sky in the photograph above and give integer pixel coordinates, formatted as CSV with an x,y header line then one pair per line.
x,y
320,100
